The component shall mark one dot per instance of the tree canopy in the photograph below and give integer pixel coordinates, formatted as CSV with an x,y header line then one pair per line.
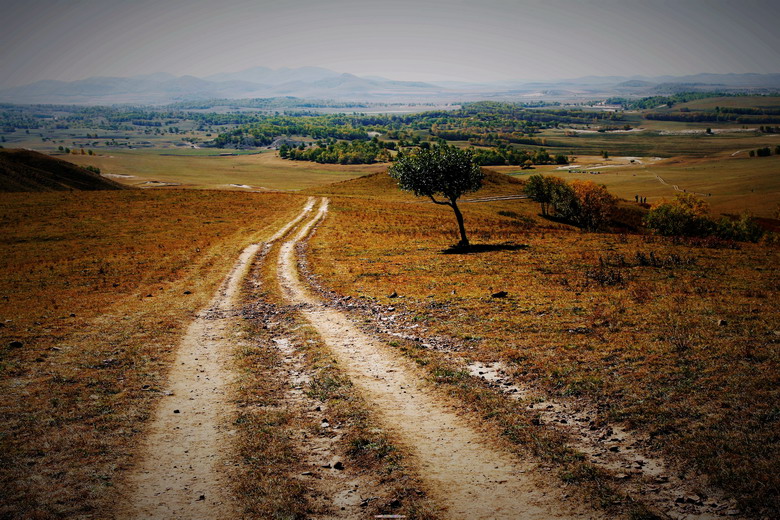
x,y
445,172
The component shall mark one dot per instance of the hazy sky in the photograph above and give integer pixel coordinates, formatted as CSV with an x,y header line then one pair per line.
x,y
471,40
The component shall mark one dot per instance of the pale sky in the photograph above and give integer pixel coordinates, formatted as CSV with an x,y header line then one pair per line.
x,y
426,40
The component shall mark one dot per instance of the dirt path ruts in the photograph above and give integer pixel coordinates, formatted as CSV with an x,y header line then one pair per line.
x,y
181,473
468,475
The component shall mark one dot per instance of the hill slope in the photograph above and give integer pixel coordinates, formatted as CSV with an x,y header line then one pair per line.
x,y
25,170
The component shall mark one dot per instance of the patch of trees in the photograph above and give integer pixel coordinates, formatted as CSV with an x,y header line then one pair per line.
x,y
688,216
764,152
504,155
582,203
342,152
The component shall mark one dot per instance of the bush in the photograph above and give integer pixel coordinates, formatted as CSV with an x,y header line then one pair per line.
x,y
743,229
687,216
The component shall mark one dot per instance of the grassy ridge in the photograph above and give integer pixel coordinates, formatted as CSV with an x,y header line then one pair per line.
x,y
96,292
685,348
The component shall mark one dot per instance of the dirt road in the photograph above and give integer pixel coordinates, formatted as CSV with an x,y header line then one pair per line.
x,y
467,474
181,469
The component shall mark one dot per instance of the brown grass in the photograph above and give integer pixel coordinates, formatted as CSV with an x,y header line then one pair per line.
x,y
269,485
98,288
584,316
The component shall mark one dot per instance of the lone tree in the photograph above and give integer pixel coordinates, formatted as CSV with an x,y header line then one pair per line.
x,y
443,170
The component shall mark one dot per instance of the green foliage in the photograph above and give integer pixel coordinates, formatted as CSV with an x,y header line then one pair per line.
x,y
541,189
743,229
687,216
504,155
354,152
442,170
670,220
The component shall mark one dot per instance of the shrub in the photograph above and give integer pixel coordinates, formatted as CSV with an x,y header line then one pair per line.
x,y
686,215
743,229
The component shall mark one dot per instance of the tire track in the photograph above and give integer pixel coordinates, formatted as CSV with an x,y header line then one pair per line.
x,y
181,473
466,473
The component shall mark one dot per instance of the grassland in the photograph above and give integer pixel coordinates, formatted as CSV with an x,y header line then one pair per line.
x,y
731,184
686,349
272,427
260,171
733,102
97,289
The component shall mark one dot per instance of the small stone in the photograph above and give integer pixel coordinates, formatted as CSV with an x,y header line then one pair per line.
x,y
202,497
72,314
614,449
176,411
393,295
722,323
307,473
499,294
15,344
338,465
187,292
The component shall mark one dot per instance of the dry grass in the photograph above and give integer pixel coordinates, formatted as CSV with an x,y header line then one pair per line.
x,y
97,289
686,348
264,170
730,184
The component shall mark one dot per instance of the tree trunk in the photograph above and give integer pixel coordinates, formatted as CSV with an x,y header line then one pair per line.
x,y
464,242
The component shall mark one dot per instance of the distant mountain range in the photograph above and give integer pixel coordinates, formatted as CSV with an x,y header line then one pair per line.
x,y
315,82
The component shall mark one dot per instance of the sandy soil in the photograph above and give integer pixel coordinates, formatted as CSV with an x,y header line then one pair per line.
x,y
467,474
181,469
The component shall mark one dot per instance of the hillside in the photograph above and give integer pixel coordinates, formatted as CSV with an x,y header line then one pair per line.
x,y
624,325
26,170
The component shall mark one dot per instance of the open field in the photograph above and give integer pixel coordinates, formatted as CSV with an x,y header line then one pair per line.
x,y
733,102
669,139
264,171
685,350
663,354
97,290
730,184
